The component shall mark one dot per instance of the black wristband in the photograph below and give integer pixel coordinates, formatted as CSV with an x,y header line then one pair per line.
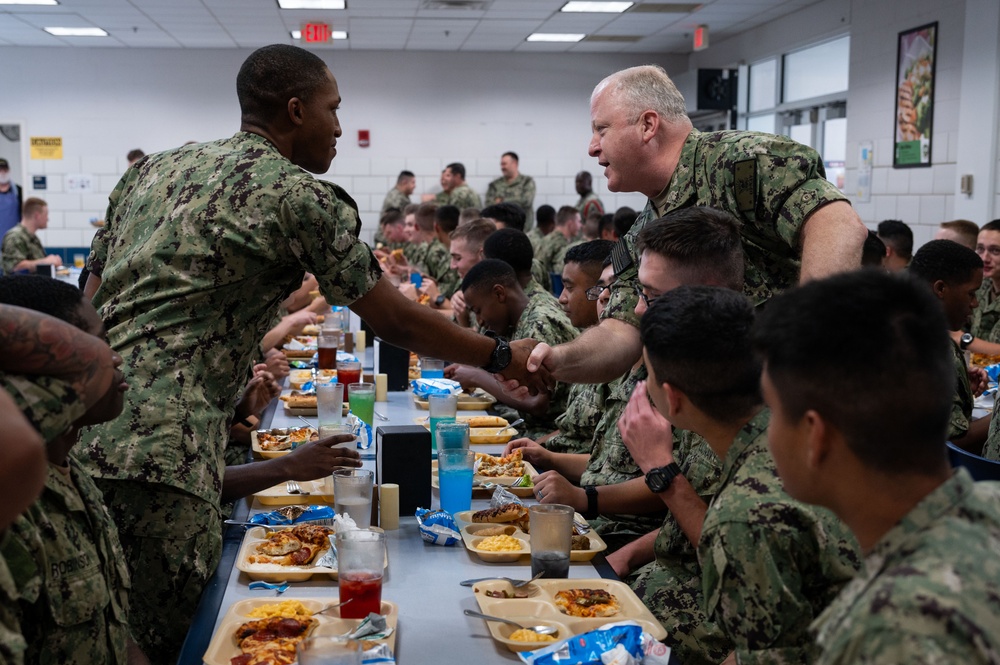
x,y
245,422
591,502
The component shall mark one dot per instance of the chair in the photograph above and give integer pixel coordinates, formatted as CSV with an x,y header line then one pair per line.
x,y
557,285
978,467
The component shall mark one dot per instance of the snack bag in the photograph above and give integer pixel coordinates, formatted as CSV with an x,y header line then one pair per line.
x,y
424,387
437,527
501,497
621,643
294,515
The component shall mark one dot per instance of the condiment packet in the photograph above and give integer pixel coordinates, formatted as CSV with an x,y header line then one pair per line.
x,y
437,527
424,387
299,364
373,627
502,497
295,516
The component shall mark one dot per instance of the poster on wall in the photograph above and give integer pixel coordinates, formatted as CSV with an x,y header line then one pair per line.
x,y
915,56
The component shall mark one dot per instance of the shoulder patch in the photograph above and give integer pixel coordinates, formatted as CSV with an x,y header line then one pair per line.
x,y
745,184
621,258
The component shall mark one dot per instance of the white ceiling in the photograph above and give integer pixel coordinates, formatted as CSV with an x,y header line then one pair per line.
x,y
409,25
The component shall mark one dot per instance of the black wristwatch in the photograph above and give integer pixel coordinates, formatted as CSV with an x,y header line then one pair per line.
x,y
659,479
439,301
965,340
591,502
501,356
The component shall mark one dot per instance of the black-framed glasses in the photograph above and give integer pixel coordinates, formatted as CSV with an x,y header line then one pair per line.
x,y
594,292
642,294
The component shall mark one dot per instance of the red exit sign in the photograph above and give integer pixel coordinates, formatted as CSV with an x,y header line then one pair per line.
x,y
313,33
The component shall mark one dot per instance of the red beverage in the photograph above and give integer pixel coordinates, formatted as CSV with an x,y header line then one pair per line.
x,y
347,377
365,589
327,358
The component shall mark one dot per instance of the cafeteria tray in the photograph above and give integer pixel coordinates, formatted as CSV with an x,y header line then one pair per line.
x,y
471,538
269,572
319,491
477,435
478,401
269,454
478,480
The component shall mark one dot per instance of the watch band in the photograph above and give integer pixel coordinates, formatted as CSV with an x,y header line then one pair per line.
x,y
659,479
501,355
591,502
966,340
246,422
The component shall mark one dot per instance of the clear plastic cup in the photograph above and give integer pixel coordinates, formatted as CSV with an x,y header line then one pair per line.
x,y
329,650
360,561
452,435
330,403
431,368
441,409
328,342
352,494
551,538
363,401
455,479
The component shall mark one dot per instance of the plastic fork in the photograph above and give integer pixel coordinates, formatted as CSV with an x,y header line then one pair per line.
x,y
517,584
292,487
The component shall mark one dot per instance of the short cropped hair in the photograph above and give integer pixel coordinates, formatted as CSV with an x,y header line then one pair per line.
x,y
135,154
474,233
512,155
512,247
272,75
698,339
898,235
545,215
488,273
404,176
991,226
590,256
703,243
410,209
32,206
945,260
447,218
645,88
566,213
45,295
607,223
624,219
964,228
873,251
392,216
509,214
467,215
425,214
457,168
870,353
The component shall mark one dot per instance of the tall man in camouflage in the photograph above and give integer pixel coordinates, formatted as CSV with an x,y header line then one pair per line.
x,y
589,201
770,564
929,586
513,187
22,250
795,224
201,245
455,190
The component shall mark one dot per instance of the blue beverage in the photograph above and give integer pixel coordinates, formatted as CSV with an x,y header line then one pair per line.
x,y
432,373
434,422
456,489
453,438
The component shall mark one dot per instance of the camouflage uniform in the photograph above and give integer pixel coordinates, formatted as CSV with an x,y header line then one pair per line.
x,y
559,262
991,450
201,245
540,275
20,244
461,197
588,204
50,405
964,400
671,586
433,260
770,183
549,249
12,642
520,191
536,237
584,408
986,316
70,572
395,199
544,320
929,591
769,563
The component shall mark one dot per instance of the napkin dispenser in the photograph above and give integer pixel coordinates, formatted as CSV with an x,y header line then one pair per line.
x,y
394,362
404,458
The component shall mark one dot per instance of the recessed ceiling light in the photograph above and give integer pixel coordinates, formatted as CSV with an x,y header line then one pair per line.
x,y
312,4
335,34
596,7
554,37
28,2
76,32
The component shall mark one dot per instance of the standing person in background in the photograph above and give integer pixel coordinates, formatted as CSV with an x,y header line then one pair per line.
x,y
961,231
898,239
10,199
513,188
455,190
22,250
588,203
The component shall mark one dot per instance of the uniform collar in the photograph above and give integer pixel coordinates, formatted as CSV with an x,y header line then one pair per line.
x,y
680,182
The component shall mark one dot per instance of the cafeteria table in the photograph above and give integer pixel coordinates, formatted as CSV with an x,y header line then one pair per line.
x,y
422,579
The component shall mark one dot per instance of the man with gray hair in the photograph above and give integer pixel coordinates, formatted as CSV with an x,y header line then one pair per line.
x,y
796,226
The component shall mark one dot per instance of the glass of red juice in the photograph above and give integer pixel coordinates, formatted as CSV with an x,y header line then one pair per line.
x,y
348,372
360,561
327,352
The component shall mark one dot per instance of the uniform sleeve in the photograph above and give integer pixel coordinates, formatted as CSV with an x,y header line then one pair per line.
x,y
321,224
50,405
527,198
961,401
867,646
14,250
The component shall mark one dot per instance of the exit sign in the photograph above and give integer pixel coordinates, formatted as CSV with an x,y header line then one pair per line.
x,y
701,38
313,33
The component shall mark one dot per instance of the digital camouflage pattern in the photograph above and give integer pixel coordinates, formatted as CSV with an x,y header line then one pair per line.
x,y
50,405
20,244
536,237
521,190
584,408
991,450
671,586
201,245
544,320
433,260
541,276
929,591
559,262
770,183
173,544
12,643
549,249
395,199
770,564
72,584
986,316
963,400
461,197
589,203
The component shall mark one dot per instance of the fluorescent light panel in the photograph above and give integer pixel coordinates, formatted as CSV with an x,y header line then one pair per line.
x,y
596,7
334,34
312,4
554,37
28,2
76,32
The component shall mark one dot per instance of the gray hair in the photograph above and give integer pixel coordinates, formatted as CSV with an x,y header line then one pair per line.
x,y
643,88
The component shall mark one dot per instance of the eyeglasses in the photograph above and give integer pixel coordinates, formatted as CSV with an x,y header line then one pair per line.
x,y
642,294
594,292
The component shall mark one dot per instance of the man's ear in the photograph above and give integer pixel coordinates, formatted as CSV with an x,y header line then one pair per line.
x,y
296,111
939,287
649,123
500,292
818,435
675,399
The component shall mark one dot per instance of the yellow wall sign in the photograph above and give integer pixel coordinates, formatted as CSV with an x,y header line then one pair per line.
x,y
46,147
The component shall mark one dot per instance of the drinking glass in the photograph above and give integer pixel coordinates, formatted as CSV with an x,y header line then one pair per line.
x,y
329,650
330,403
352,494
452,435
328,342
431,368
551,538
440,408
360,559
348,372
455,479
79,260
363,401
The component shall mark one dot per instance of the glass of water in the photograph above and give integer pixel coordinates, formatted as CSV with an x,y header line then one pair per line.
x,y
352,494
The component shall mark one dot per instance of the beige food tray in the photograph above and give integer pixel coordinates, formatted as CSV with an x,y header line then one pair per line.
x,y
276,573
478,480
268,454
471,537
478,401
477,435
223,648
540,608
319,491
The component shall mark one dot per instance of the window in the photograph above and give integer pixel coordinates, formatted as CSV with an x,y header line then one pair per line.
x,y
763,85
816,71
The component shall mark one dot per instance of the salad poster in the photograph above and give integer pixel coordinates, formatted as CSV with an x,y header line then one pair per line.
x,y
915,96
